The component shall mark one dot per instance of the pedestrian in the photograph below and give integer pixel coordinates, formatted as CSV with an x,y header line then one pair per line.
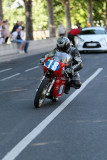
x,y
16,38
89,24
74,32
18,23
23,38
61,30
6,32
79,26
1,31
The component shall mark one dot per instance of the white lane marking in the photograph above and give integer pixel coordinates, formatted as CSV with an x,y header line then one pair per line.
x,y
37,130
5,70
10,77
31,68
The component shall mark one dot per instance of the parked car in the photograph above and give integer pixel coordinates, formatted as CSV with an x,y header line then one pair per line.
x,y
92,39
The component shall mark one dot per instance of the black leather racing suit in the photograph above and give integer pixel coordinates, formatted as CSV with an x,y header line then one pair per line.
x,y
76,66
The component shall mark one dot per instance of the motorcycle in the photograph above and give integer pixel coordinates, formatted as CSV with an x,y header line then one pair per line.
x,y
54,79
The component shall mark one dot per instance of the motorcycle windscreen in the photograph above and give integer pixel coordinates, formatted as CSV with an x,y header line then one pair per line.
x,y
62,57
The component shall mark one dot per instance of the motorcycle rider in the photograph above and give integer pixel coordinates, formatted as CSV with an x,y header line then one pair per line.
x,y
63,45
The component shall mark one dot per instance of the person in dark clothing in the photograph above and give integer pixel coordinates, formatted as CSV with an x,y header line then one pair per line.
x,y
79,26
63,45
19,23
72,33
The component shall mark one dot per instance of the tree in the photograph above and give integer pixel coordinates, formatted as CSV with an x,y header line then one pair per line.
x,y
78,10
90,18
51,18
59,13
1,10
28,14
99,12
67,13
106,14
40,12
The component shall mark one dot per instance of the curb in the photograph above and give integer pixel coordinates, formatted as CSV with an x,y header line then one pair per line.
x,y
9,51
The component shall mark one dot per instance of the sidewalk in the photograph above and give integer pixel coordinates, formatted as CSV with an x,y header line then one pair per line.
x,y
10,57
36,47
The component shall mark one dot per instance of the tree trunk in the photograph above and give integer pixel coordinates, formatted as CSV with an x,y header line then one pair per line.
x,y
67,14
90,18
28,13
1,10
106,14
51,19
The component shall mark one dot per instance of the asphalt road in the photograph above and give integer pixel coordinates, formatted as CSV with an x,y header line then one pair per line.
x,y
78,132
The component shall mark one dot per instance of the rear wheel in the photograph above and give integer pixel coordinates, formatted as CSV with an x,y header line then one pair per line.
x,y
41,93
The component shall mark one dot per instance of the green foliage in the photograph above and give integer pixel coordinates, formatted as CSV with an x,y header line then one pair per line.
x,y
99,11
59,12
78,10
13,14
40,14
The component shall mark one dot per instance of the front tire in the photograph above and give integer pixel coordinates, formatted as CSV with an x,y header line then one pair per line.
x,y
55,99
41,93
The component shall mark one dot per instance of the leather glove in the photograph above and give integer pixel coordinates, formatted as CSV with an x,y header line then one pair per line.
x,y
42,60
70,71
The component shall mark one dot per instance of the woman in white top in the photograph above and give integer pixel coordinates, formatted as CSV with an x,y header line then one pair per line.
x,y
1,32
6,32
16,38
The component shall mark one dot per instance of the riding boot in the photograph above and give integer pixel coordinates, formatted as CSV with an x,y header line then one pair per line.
x,y
67,88
75,81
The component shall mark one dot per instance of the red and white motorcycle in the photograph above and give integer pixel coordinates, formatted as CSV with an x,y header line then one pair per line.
x,y
54,79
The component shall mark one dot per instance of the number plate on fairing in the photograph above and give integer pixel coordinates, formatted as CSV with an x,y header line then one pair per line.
x,y
52,64
60,91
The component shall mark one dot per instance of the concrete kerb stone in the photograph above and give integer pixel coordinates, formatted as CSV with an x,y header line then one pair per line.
x,y
6,49
38,46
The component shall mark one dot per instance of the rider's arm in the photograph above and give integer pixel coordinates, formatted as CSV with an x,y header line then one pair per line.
x,y
77,61
51,54
43,59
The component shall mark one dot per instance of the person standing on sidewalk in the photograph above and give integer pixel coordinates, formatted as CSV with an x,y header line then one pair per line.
x,y
1,32
61,30
6,32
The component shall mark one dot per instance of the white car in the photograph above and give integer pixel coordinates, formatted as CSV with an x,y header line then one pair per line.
x,y
92,39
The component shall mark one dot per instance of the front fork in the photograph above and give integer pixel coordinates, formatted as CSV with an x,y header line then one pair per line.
x,y
40,82
50,87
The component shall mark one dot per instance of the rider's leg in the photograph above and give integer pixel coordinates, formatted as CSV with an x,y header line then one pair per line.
x,y
75,81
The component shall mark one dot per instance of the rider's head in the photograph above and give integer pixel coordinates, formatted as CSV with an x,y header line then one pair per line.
x,y
63,44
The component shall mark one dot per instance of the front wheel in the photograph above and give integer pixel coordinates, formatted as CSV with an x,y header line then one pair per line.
x,y
55,99
41,93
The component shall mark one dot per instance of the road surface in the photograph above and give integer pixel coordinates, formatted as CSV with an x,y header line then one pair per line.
x,y
74,128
